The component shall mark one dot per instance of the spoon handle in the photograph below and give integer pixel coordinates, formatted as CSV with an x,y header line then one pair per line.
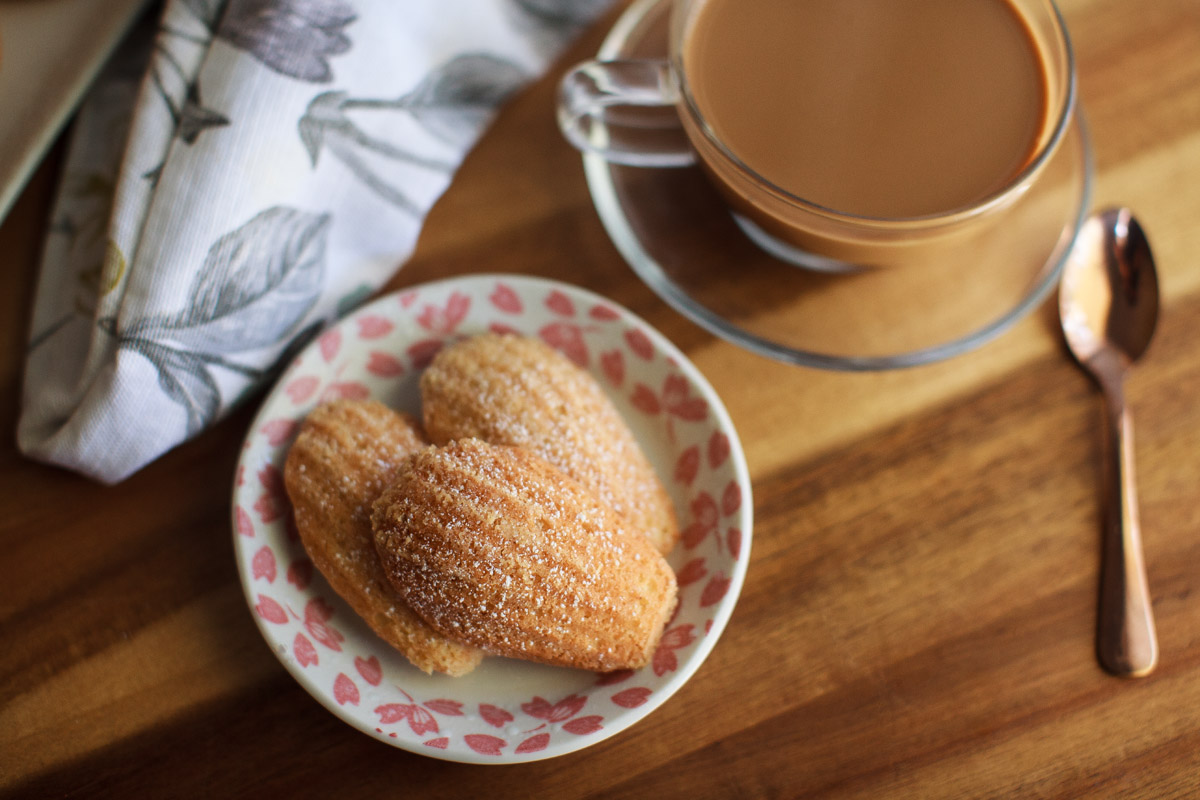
x,y
1126,642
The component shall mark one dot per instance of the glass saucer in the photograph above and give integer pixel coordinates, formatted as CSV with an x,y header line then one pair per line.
x,y
672,228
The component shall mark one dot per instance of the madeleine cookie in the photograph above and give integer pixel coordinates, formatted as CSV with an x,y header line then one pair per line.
x,y
346,453
496,547
515,390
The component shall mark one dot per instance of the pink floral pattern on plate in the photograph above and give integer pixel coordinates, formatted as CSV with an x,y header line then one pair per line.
x,y
505,711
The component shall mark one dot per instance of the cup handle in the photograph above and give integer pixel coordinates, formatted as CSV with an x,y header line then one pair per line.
x,y
624,111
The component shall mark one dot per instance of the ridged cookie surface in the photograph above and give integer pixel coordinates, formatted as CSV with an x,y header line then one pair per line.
x,y
515,390
496,547
346,453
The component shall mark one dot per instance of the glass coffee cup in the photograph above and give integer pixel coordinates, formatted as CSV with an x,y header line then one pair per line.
x,y
947,117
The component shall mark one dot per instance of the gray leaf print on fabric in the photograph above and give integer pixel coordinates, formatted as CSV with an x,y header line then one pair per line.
x,y
256,282
292,37
454,102
194,118
325,125
186,380
256,285
207,11
566,14
179,51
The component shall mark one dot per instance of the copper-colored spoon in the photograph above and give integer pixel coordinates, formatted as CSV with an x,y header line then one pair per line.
x,y
1108,303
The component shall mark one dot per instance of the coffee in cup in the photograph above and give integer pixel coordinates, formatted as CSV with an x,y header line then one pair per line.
x,y
871,132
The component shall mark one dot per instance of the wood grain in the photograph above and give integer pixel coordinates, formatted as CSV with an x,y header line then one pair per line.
x,y
918,618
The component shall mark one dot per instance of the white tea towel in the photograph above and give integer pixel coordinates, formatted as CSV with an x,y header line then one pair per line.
x,y
263,172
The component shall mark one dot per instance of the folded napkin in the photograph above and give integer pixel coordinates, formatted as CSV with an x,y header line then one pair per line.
x,y
241,176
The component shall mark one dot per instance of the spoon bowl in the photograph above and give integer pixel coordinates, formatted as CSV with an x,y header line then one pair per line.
x,y
1108,305
1109,291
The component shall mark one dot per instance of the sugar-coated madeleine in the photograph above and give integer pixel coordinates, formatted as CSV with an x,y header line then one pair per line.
x,y
496,547
516,390
345,454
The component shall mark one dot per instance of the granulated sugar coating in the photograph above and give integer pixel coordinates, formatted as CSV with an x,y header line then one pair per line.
x,y
345,455
515,390
494,546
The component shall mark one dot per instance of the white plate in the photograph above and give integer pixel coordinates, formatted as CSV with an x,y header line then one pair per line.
x,y
49,52
505,711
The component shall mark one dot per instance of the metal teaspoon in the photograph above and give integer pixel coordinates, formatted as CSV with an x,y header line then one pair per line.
x,y
1108,305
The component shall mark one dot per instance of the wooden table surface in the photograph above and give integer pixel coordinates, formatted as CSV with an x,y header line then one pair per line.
x,y
918,614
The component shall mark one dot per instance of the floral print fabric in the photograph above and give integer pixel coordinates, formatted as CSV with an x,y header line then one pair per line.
x,y
244,173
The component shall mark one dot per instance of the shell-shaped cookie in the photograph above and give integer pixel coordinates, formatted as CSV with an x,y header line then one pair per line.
x,y
496,547
345,454
515,390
